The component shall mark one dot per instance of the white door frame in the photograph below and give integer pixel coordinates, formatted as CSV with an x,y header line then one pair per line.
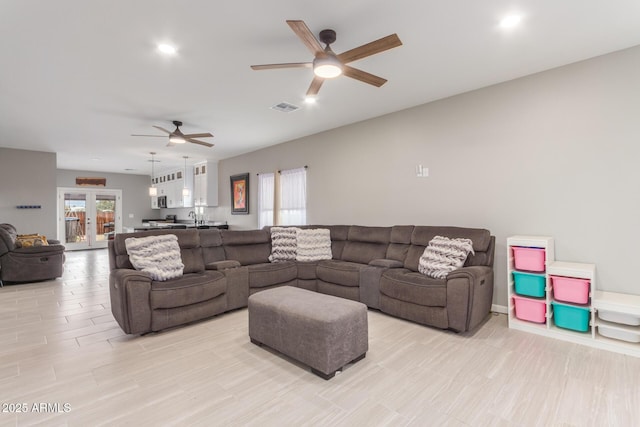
x,y
90,242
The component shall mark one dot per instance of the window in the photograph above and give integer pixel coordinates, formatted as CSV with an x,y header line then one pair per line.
x,y
266,186
289,190
293,197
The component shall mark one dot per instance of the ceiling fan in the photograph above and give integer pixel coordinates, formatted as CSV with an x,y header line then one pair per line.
x,y
326,64
177,137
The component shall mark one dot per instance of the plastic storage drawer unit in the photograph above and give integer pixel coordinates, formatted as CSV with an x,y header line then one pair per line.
x,y
623,318
570,289
570,317
531,310
528,259
529,284
619,333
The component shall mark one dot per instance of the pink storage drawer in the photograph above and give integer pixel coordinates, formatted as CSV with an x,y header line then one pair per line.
x,y
529,309
570,289
528,259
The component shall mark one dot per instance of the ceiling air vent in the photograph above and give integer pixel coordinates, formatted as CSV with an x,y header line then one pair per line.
x,y
285,107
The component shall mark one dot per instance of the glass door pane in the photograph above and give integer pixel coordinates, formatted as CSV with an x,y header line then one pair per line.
x,y
75,218
105,216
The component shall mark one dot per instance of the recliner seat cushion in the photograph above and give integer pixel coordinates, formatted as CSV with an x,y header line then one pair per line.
x,y
413,287
189,289
340,272
269,274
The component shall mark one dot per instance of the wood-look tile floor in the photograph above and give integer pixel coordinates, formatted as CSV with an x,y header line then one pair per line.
x,y
59,345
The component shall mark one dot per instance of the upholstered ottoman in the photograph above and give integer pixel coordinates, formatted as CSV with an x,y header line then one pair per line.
x,y
321,331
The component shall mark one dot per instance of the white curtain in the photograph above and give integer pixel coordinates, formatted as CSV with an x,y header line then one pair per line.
x,y
293,197
266,182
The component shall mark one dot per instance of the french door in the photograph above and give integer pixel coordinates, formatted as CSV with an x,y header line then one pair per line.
x,y
88,217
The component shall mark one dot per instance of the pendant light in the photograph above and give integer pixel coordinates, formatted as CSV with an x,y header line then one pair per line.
x,y
153,191
185,190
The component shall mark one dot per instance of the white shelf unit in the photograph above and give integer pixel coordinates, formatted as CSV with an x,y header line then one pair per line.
x,y
627,306
577,271
543,242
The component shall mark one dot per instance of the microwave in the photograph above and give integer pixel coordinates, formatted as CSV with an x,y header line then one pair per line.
x,y
162,201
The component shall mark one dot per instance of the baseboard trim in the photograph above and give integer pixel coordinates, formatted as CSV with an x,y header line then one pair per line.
x,y
499,309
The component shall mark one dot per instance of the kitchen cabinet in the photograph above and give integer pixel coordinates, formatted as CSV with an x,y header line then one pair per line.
x,y
205,184
170,185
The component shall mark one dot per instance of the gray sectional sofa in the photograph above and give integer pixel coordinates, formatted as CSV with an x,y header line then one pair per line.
x,y
374,265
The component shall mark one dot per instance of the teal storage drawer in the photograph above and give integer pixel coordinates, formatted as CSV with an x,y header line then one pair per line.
x,y
570,317
529,284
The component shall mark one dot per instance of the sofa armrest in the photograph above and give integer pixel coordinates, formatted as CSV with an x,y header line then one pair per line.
x,y
129,291
469,296
222,265
386,263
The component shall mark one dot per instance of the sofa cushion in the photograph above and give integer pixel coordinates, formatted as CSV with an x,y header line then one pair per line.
x,y
313,244
189,289
443,255
269,274
159,256
413,287
341,273
284,244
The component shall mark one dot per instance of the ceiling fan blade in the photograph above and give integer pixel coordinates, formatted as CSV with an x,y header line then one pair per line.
x,y
305,34
314,88
155,136
285,65
162,129
363,76
198,135
369,49
195,141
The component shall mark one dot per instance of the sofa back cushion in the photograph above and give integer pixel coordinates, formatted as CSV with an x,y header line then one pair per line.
x,y
399,242
247,246
211,243
188,240
422,235
366,243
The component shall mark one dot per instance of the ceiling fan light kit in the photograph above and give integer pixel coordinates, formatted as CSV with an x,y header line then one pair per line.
x,y
177,137
328,67
326,64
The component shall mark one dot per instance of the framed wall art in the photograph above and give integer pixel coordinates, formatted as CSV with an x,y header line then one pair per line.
x,y
240,194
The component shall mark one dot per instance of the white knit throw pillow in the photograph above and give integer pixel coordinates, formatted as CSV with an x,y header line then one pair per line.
x,y
159,256
443,255
283,244
313,244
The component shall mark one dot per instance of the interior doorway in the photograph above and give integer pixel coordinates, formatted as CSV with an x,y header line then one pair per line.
x,y
87,218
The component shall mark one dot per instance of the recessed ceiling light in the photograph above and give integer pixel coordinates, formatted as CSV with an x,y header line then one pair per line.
x,y
167,49
510,21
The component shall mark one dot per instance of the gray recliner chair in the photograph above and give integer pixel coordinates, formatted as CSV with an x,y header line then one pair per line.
x,y
28,264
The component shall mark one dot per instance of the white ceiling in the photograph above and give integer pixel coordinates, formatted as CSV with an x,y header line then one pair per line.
x,y
78,77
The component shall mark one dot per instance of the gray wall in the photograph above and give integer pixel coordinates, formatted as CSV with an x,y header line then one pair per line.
x,y
554,153
28,178
135,192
